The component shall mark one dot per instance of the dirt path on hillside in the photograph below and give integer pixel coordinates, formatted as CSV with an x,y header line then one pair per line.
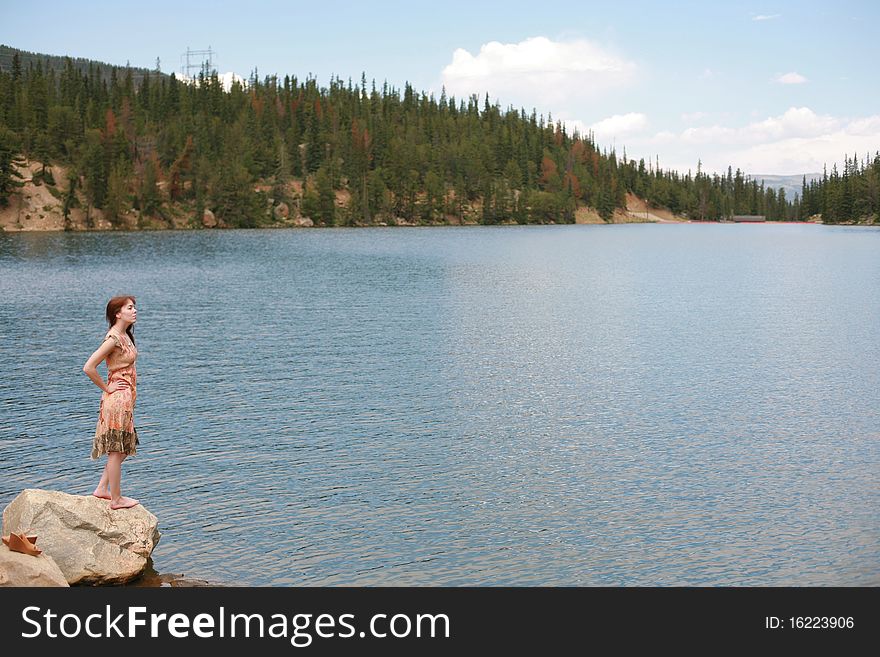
x,y
639,208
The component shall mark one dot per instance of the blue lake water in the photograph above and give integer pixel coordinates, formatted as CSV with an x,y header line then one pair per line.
x,y
549,405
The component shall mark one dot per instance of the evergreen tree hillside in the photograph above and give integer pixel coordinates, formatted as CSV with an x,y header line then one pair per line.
x,y
348,153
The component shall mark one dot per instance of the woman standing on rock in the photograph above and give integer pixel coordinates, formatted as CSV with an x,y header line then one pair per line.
x,y
115,434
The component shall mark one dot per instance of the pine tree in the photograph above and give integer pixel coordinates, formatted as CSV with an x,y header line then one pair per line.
x,y
94,168
10,178
310,207
314,143
117,195
70,199
326,197
149,195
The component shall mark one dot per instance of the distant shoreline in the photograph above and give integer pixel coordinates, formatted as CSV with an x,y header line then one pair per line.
x,y
404,226
36,207
296,228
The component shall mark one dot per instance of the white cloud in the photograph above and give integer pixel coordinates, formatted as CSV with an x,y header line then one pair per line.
x,y
796,141
537,72
791,78
619,125
707,74
663,137
765,17
710,134
795,122
572,125
806,154
226,79
864,127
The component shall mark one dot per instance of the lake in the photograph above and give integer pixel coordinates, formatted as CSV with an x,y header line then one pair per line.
x,y
628,405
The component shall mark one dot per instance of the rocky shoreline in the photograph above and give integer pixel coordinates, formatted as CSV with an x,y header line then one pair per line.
x,y
151,579
76,539
79,541
38,206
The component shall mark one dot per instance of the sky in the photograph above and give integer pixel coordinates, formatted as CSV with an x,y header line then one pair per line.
x,y
769,87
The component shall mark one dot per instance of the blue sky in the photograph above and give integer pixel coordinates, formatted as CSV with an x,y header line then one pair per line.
x,y
769,87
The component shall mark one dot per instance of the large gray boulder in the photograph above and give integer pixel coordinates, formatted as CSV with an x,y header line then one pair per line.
x,y
17,569
91,543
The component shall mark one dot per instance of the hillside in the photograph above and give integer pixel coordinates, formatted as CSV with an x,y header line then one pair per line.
x,y
640,209
57,64
165,153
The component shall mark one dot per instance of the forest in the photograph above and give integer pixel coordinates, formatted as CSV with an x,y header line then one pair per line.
x,y
350,153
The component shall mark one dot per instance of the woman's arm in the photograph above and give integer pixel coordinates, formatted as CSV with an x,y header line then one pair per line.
x,y
91,366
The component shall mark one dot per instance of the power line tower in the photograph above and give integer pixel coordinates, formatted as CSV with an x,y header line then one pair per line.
x,y
204,63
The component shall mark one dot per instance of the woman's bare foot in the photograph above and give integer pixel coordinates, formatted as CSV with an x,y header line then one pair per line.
x,y
103,493
123,503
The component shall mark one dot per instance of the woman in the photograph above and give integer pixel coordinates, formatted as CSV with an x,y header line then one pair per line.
x,y
115,434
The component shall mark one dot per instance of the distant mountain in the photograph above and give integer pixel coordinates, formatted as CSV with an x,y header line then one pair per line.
x,y
58,63
791,184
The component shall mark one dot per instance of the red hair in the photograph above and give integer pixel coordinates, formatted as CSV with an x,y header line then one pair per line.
x,y
114,306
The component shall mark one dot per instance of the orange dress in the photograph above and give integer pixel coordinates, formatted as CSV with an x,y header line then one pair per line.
x,y
115,431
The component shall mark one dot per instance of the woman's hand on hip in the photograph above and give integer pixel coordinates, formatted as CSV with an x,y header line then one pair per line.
x,y
117,385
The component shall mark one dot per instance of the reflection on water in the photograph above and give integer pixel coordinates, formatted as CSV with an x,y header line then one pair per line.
x,y
561,405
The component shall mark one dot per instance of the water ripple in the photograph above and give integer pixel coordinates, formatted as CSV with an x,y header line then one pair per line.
x,y
566,405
